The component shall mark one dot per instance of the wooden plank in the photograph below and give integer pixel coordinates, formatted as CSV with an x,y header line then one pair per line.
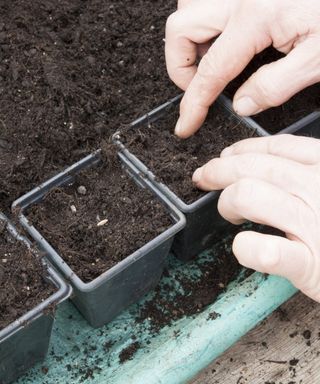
x,y
278,351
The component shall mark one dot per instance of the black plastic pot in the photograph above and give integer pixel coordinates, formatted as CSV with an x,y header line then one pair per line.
x,y
291,128
309,126
25,342
204,223
102,299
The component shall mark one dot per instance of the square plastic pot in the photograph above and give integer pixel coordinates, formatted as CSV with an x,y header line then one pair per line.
x,y
293,127
204,223
25,342
102,299
309,126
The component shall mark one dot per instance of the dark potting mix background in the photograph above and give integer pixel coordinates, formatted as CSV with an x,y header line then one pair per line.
x,y
71,73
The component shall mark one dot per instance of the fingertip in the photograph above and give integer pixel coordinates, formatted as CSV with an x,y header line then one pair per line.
x,y
189,122
197,175
239,245
246,250
180,130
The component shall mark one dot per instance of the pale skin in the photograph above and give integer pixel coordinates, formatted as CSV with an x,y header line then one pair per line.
x,y
274,180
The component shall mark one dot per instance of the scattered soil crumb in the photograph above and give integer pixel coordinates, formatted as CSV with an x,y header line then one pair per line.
x,y
128,352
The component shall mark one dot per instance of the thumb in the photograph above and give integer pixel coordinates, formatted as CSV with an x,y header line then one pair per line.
x,y
272,254
275,83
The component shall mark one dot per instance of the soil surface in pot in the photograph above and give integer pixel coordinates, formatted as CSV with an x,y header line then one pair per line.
x,y
99,220
174,160
22,279
276,119
71,75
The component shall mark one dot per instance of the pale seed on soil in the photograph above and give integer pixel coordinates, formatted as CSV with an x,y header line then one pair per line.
x,y
102,222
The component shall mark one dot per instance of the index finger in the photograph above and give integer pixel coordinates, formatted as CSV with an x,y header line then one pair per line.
x,y
227,57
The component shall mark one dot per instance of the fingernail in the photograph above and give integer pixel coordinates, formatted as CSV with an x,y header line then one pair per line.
x,y
245,106
197,175
227,152
178,128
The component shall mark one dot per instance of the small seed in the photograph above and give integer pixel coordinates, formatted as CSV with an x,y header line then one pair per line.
x,y
102,222
73,208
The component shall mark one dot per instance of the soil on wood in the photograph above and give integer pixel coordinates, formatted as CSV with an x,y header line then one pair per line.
x,y
276,119
100,219
128,352
181,295
70,75
22,279
194,294
174,160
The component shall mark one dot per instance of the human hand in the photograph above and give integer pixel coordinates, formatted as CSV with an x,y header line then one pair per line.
x,y
245,27
273,181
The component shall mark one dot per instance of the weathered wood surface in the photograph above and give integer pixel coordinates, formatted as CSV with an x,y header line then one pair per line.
x,y
268,354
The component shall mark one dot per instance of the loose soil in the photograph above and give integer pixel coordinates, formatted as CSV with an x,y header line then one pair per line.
x,y
174,160
194,294
128,352
91,356
178,295
22,279
70,75
276,119
100,219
